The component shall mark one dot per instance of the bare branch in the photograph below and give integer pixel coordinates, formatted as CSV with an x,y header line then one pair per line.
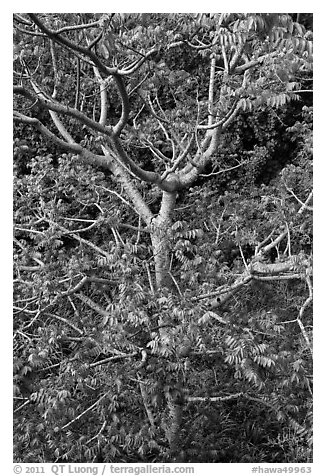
x,y
138,85
175,283
138,63
215,399
22,20
260,401
29,32
225,121
98,433
283,234
151,177
161,124
93,305
230,116
55,36
258,267
211,89
297,198
301,312
76,288
181,157
305,204
62,319
84,412
117,195
202,46
104,97
274,243
115,358
278,278
225,60
149,107
48,103
124,103
225,289
144,57
150,279
191,171
77,95
261,244
55,70
251,64
154,150
66,231
82,26
86,155
22,406
224,170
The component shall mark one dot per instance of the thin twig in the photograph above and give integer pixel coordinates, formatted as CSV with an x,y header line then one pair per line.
x,y
297,198
97,434
113,359
63,319
242,256
22,406
84,412
224,170
175,283
150,279
211,89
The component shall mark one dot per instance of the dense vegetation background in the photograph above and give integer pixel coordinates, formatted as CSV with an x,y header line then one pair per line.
x,y
163,237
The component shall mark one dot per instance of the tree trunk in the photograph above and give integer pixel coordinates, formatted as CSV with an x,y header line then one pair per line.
x,y
161,242
160,236
160,232
174,426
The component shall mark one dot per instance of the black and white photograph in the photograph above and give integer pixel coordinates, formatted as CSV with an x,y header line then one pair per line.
x,y
163,240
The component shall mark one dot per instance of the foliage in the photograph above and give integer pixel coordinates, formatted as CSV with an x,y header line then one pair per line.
x,y
163,254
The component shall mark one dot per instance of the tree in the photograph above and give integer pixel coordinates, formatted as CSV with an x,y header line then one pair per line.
x,y
150,101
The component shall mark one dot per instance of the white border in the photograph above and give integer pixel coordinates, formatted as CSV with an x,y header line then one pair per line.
x,y
319,191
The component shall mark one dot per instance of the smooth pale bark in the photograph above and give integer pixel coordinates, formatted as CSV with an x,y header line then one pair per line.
x,y
160,237
161,242
123,177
